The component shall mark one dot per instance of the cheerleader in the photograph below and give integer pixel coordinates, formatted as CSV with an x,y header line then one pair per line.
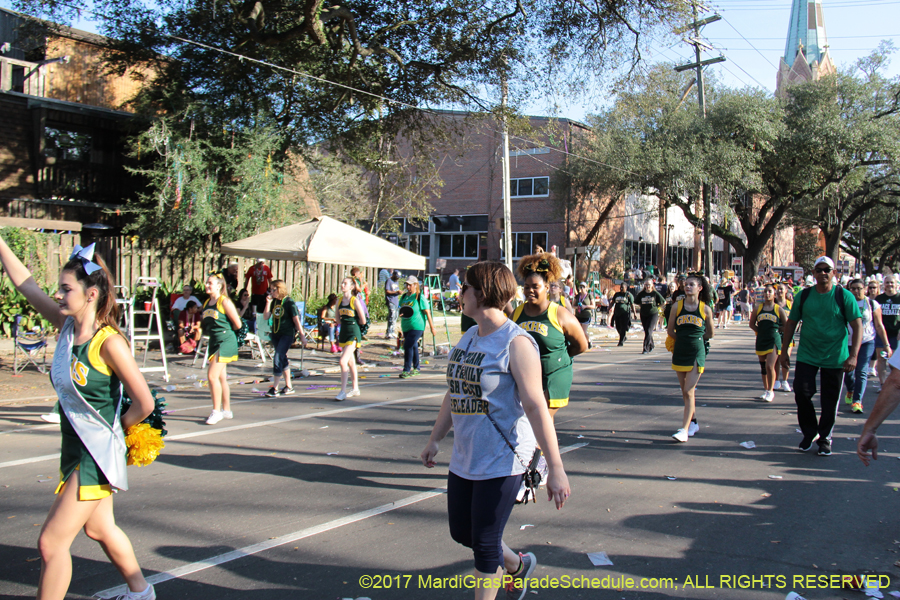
x,y
767,321
91,364
220,321
784,298
558,333
690,327
350,338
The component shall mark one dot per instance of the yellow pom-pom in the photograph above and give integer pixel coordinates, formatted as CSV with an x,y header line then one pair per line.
x,y
670,343
144,444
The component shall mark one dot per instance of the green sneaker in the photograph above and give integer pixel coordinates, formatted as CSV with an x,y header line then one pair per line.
x,y
414,372
405,374
848,399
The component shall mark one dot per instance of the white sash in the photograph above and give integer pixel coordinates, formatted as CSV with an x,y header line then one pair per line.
x,y
105,442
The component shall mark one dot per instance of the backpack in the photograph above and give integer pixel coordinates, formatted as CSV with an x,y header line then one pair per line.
x,y
838,295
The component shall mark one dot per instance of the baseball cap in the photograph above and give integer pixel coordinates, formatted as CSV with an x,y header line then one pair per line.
x,y
395,274
412,279
824,260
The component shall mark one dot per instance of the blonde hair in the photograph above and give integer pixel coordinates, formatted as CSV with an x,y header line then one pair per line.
x,y
279,289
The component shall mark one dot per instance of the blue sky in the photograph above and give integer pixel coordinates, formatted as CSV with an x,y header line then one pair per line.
x,y
752,36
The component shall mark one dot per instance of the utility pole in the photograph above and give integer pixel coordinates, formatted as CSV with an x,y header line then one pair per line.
x,y
698,43
507,207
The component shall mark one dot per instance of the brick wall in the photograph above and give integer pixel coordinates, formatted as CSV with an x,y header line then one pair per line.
x,y
16,172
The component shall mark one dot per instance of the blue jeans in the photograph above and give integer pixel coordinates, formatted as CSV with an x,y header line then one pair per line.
x,y
411,349
393,309
856,380
282,344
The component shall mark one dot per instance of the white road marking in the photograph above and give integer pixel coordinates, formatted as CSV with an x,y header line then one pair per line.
x,y
288,538
213,431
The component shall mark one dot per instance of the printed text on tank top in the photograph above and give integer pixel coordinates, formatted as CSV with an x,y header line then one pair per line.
x,y
464,377
686,319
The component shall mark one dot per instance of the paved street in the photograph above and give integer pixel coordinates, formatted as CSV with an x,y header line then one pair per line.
x,y
304,497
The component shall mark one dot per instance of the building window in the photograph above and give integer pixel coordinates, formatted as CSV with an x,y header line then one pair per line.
x,y
463,245
524,243
63,144
529,187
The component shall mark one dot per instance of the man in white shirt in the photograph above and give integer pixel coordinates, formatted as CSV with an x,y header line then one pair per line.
x,y
181,302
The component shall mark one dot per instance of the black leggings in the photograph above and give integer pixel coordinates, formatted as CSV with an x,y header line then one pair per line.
x,y
478,511
623,323
649,324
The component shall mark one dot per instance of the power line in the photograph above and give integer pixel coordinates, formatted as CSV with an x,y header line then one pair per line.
x,y
749,42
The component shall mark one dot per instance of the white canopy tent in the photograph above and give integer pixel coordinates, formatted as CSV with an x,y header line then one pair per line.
x,y
325,240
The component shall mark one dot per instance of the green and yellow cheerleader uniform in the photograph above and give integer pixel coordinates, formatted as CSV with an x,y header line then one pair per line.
x,y
556,364
101,388
786,309
690,347
561,301
350,333
216,326
768,324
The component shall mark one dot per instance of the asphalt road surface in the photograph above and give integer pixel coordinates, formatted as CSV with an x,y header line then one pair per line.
x,y
307,498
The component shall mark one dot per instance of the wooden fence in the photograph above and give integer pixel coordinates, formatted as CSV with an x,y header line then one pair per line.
x,y
130,261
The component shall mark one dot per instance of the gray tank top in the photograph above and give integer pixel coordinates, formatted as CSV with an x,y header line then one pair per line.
x,y
479,381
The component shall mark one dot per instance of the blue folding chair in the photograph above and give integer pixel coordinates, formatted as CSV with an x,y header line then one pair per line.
x,y
309,322
32,345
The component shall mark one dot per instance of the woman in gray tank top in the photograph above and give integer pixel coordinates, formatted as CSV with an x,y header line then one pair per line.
x,y
494,373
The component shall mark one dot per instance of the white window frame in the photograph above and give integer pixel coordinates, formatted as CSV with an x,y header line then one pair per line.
x,y
515,234
517,180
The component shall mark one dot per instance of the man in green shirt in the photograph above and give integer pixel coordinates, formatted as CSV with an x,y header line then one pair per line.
x,y
823,346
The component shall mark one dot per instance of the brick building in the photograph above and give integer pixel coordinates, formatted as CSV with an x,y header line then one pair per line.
x,y
63,121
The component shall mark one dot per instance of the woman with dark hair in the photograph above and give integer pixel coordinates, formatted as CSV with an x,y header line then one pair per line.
x,y
220,321
328,321
872,327
496,412
247,310
784,301
350,338
650,302
285,325
558,334
767,321
91,364
690,326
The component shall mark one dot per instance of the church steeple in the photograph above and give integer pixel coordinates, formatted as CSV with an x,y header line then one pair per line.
x,y
806,56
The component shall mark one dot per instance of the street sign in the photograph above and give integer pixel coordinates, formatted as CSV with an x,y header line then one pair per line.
x,y
737,261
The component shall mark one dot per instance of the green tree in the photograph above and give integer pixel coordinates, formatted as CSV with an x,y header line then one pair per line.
x,y
203,191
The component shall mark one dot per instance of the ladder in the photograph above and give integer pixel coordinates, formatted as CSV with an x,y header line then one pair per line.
x,y
593,282
432,283
146,334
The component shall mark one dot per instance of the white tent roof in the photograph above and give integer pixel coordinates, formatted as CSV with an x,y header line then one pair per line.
x,y
326,240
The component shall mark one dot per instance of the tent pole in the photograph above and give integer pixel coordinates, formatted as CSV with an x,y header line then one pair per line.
x,y
303,316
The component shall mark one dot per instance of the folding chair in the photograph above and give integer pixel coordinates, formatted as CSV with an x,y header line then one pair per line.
x,y
309,322
263,333
32,345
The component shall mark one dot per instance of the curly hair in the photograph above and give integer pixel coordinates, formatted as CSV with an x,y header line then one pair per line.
x,y
544,264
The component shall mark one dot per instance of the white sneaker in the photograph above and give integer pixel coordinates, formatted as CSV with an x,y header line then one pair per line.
x,y
227,414
148,594
763,396
353,392
693,428
51,418
341,396
785,386
873,372
777,385
769,396
214,417
681,435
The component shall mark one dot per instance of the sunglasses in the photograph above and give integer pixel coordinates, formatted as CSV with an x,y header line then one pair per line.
x,y
857,288
466,285
824,270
